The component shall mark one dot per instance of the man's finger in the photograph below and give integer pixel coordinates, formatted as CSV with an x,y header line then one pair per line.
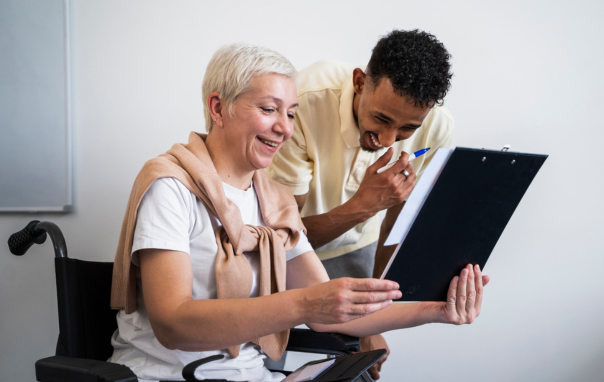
x,y
373,371
485,280
401,164
382,161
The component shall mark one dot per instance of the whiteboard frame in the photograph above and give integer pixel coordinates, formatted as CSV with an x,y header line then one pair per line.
x,y
68,206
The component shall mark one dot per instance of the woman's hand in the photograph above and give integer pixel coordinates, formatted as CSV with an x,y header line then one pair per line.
x,y
345,299
464,298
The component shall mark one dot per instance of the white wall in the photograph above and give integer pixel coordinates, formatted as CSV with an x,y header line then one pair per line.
x,y
526,73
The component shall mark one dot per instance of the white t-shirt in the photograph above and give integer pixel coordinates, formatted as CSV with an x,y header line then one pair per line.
x,y
171,217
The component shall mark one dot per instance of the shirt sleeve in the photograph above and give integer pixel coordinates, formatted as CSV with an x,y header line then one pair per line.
x,y
303,246
291,166
162,220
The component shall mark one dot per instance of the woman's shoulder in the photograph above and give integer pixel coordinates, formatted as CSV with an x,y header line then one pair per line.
x,y
170,193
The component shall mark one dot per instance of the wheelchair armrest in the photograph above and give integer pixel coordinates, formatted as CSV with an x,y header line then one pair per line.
x,y
67,369
309,341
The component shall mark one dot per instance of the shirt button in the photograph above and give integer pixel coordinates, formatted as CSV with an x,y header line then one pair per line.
x,y
361,164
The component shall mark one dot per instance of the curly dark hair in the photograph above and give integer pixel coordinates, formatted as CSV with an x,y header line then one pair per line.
x,y
416,63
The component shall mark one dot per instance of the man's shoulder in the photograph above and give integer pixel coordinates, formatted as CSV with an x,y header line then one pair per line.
x,y
438,126
440,118
323,75
443,112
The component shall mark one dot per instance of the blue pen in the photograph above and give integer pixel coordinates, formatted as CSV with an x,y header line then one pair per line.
x,y
411,157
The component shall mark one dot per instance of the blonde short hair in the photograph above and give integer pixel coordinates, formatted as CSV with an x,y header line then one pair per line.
x,y
232,68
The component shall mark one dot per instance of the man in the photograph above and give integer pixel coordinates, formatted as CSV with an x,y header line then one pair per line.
x,y
352,121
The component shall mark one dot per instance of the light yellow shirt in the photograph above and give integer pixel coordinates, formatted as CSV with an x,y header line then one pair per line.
x,y
324,158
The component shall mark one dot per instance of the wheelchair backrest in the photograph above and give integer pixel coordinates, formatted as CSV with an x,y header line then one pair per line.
x,y
86,321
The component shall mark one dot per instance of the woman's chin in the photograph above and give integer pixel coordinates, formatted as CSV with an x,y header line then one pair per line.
x,y
261,165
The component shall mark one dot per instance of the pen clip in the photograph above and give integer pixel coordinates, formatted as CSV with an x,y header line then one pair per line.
x,y
506,148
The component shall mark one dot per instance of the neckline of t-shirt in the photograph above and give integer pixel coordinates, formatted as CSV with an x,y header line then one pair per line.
x,y
234,192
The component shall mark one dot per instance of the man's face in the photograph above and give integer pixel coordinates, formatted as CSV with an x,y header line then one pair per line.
x,y
384,116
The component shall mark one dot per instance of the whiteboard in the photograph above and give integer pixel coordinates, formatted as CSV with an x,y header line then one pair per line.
x,y
35,128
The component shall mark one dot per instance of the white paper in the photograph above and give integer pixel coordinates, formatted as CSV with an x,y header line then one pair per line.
x,y
416,201
309,372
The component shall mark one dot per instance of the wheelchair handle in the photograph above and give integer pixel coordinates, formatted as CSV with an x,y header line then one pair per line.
x,y
35,233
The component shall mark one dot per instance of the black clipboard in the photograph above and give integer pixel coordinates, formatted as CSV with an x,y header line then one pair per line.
x,y
461,220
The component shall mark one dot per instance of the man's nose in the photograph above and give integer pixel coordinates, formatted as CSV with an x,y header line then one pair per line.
x,y
387,137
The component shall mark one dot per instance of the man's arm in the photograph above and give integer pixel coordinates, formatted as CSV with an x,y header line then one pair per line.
x,y
382,253
377,192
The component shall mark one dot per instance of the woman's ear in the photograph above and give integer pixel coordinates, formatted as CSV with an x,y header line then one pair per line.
x,y
215,107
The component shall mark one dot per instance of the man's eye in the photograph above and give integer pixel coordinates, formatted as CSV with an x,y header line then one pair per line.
x,y
290,116
268,109
380,120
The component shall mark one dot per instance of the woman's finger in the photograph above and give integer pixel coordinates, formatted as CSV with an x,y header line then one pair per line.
x,y
452,293
461,292
374,297
370,284
471,293
479,288
359,310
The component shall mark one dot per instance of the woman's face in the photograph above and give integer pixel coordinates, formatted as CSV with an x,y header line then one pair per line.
x,y
262,119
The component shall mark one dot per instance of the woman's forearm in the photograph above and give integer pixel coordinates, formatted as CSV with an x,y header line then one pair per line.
x,y
201,325
396,316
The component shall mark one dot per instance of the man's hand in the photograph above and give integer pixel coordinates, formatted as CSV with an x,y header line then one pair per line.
x,y
378,192
373,343
464,298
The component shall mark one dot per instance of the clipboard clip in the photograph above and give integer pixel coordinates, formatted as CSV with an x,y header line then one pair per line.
x,y
506,148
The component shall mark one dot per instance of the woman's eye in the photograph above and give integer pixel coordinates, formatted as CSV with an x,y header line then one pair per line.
x,y
290,116
268,109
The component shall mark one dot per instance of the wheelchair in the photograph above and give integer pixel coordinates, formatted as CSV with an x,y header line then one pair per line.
x,y
86,321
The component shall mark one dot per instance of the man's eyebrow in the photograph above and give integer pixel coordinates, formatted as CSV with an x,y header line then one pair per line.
x,y
294,105
383,116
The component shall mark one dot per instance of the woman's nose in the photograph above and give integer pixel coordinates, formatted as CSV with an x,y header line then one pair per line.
x,y
284,125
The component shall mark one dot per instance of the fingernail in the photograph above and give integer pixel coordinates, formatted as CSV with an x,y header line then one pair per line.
x,y
464,273
397,286
477,268
456,279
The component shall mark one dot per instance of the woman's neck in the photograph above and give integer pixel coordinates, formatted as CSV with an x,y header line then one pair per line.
x,y
229,171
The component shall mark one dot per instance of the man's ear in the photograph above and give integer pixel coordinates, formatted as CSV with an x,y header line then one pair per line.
x,y
215,108
358,80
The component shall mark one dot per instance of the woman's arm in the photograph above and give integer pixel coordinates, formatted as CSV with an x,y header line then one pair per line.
x,y
179,322
464,302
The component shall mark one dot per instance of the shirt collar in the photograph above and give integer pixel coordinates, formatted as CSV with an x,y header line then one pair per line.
x,y
348,124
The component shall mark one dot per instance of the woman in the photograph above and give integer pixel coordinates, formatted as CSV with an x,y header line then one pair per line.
x,y
196,234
